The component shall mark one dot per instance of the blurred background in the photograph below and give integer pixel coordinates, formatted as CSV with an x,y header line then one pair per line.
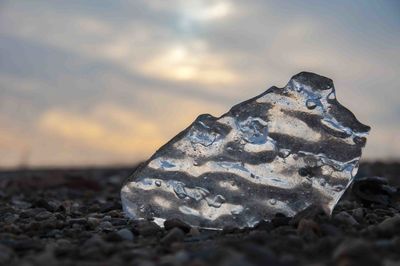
x,y
107,82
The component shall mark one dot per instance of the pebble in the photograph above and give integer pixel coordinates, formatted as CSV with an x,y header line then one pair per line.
x,y
6,254
280,220
36,229
390,226
308,229
95,240
330,230
358,214
147,229
194,231
10,217
174,235
93,222
43,215
345,218
125,234
105,226
355,252
81,221
50,205
176,223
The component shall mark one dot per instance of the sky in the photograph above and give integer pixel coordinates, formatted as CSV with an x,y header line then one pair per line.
x,y
102,82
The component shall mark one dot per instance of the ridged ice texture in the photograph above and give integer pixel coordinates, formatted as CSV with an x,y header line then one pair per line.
x,y
281,151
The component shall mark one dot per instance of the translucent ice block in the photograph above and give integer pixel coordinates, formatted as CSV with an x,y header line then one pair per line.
x,y
281,151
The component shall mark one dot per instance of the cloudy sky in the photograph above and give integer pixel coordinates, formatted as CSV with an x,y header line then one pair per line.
x,y
107,82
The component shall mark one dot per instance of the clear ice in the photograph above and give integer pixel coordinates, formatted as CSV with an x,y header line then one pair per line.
x,y
278,152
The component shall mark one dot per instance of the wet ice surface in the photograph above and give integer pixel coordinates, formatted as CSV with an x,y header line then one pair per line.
x,y
281,151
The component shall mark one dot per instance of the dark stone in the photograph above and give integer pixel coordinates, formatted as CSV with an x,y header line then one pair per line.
x,y
345,218
174,235
280,220
390,226
356,252
146,228
176,223
373,190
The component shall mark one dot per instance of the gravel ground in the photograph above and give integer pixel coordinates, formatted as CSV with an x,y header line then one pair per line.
x,y
74,217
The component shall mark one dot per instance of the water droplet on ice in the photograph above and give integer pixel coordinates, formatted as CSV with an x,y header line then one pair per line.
x,y
332,96
158,183
283,153
311,104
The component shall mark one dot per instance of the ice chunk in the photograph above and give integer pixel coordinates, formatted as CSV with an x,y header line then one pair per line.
x,y
281,151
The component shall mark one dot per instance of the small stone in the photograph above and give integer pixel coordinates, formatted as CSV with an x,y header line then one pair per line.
x,y
81,221
54,233
105,226
308,229
10,217
264,225
355,252
174,235
93,222
19,203
194,231
390,226
95,240
280,220
309,213
345,218
28,244
330,230
106,207
6,254
125,234
147,229
358,214
50,205
176,223
373,190
119,221
43,215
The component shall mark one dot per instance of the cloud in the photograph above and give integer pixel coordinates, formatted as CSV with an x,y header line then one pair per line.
x,y
108,128
136,72
189,62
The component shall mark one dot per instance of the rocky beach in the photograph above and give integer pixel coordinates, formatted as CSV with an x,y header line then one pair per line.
x,y
74,217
